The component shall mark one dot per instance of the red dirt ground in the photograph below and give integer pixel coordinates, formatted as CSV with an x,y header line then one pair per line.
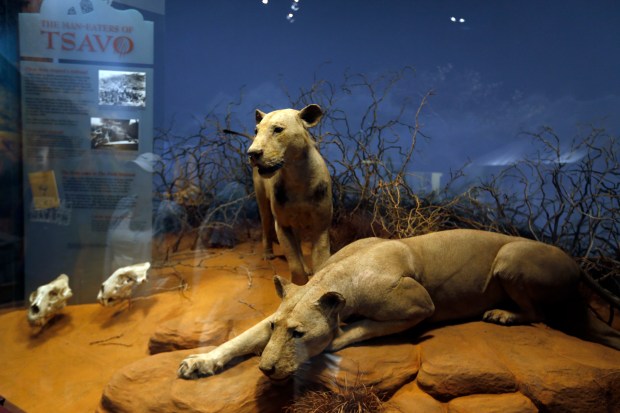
x,y
66,366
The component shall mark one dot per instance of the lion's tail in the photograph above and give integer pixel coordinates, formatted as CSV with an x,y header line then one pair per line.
x,y
580,321
600,332
595,329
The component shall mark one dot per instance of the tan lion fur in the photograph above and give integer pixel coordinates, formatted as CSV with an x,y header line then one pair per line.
x,y
395,284
293,187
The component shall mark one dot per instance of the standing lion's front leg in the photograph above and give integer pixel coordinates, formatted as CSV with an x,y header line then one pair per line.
x,y
251,341
320,250
291,244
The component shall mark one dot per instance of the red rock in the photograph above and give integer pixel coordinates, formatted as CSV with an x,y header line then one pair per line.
x,y
467,367
151,385
557,372
410,399
385,365
189,333
457,362
463,368
492,403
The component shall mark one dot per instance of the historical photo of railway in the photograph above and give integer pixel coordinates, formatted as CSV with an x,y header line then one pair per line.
x,y
122,88
121,134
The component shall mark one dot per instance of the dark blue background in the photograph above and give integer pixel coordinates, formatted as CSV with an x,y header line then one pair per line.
x,y
513,66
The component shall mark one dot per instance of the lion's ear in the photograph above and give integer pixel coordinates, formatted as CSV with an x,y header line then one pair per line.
x,y
259,115
283,286
331,303
311,115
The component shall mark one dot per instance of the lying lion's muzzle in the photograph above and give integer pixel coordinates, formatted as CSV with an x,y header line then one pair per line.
x,y
267,371
279,380
274,374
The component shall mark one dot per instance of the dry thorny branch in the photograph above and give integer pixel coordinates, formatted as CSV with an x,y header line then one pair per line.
x,y
344,398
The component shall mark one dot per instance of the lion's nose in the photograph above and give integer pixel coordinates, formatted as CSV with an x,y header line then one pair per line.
x,y
255,154
267,370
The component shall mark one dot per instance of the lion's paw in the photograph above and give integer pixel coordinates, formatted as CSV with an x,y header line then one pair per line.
x,y
199,365
502,317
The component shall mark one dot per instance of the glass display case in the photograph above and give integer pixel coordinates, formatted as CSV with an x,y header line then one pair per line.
x,y
296,205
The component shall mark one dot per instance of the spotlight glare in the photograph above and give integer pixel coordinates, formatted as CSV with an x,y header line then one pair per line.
x,y
453,19
265,1
461,20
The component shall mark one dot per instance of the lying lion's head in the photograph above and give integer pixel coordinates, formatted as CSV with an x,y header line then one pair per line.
x,y
302,327
282,136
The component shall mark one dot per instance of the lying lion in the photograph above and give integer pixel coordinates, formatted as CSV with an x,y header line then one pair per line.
x,y
293,187
395,284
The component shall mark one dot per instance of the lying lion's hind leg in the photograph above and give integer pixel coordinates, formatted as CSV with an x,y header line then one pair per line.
x,y
505,317
524,310
535,277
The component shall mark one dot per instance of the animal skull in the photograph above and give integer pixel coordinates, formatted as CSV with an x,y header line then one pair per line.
x,y
119,286
48,300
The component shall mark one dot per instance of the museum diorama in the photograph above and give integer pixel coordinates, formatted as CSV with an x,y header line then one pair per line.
x,y
309,206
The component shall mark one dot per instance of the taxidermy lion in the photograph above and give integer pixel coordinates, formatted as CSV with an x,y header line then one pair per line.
x,y
392,285
293,187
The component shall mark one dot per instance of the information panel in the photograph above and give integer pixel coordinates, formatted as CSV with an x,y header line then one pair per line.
x,y
87,113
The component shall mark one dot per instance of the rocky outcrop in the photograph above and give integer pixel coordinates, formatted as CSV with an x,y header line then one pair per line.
x,y
151,386
188,333
465,368
555,372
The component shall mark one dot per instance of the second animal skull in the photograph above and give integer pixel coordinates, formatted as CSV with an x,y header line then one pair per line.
x,y
119,286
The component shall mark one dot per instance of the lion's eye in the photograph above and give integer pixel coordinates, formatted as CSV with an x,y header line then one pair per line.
x,y
256,131
272,325
278,129
298,334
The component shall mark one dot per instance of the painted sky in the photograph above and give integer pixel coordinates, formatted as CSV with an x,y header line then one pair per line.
x,y
512,66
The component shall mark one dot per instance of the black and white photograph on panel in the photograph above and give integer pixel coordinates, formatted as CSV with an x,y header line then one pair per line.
x,y
120,134
120,88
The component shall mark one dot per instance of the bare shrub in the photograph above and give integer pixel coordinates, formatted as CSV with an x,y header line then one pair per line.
x,y
362,149
365,151
568,196
196,173
401,213
565,195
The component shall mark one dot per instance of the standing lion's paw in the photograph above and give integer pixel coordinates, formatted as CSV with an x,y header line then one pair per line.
x,y
199,365
500,317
